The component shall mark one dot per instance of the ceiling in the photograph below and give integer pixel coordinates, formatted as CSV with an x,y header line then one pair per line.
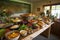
x,y
32,0
39,0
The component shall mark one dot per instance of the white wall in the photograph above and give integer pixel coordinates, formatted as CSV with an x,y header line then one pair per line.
x,y
41,3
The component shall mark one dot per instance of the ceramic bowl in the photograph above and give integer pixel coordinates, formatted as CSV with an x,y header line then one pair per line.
x,y
15,38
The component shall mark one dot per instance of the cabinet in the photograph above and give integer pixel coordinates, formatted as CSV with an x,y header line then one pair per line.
x,y
56,28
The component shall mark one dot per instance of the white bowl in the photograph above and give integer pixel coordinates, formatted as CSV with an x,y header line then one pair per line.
x,y
23,32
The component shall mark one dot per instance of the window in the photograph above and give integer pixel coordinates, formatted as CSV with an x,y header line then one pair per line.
x,y
55,10
46,8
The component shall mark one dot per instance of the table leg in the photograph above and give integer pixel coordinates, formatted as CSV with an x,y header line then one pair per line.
x,y
47,32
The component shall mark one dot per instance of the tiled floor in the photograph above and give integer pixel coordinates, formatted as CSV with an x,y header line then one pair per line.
x,y
52,37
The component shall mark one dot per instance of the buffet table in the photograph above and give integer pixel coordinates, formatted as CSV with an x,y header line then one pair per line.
x,y
26,27
30,37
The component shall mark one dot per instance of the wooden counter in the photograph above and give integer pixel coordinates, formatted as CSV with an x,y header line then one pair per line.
x,y
35,34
